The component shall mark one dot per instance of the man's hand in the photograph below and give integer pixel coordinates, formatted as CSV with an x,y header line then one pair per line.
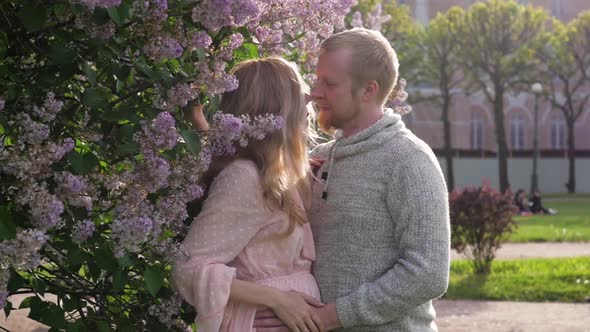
x,y
326,316
291,311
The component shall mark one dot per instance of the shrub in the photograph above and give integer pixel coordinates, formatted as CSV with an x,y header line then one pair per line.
x,y
481,218
97,163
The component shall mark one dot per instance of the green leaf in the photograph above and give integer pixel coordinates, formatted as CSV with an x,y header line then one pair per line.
x,y
77,326
114,15
105,260
7,308
96,98
193,142
48,314
61,55
154,279
89,72
119,279
7,226
76,256
143,67
26,303
128,148
3,45
38,285
15,282
82,163
33,16
126,260
103,326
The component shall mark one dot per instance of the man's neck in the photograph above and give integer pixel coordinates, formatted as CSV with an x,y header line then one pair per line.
x,y
364,121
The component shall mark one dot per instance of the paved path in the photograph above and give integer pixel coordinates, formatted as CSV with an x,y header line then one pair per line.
x,y
538,250
489,316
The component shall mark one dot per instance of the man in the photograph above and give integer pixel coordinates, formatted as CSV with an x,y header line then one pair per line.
x,y
380,213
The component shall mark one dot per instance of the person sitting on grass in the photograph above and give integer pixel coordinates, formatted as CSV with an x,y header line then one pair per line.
x,y
537,207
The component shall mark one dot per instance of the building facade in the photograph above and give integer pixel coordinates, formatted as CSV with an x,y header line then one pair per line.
x,y
472,120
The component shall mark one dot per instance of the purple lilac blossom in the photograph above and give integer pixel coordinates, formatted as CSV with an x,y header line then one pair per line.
x,y
83,231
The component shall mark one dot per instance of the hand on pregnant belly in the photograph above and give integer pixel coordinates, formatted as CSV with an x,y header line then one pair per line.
x,y
294,310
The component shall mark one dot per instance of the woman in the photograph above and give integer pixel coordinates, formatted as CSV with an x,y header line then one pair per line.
x,y
251,245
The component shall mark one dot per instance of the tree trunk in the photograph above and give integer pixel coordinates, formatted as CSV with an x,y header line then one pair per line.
x,y
447,137
571,182
501,139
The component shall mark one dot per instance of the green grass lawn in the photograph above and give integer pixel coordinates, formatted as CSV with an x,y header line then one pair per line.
x,y
571,224
531,280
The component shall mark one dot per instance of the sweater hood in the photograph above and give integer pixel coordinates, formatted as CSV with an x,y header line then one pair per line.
x,y
370,138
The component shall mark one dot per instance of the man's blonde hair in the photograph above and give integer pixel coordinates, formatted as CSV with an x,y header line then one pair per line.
x,y
372,58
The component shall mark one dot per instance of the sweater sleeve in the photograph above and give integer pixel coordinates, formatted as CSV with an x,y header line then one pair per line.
x,y
417,198
231,215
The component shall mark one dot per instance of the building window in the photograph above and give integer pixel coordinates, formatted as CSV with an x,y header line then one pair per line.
x,y
557,133
557,9
517,133
476,131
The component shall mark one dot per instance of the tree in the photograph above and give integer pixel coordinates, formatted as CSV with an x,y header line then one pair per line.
x,y
495,51
441,68
563,56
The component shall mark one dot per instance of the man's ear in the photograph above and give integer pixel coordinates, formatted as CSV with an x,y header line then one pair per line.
x,y
370,91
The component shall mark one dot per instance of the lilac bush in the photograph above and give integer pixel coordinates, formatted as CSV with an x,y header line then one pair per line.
x,y
97,163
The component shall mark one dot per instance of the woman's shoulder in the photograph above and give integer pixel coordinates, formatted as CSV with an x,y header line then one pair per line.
x,y
243,169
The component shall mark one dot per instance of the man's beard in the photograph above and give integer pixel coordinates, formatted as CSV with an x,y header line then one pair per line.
x,y
325,123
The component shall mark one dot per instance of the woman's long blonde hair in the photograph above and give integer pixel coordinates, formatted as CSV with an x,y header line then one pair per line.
x,y
274,86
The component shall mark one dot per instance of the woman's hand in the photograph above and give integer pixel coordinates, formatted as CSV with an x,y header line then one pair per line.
x,y
295,310
194,113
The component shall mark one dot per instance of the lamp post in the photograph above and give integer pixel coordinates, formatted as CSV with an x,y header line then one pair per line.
x,y
536,88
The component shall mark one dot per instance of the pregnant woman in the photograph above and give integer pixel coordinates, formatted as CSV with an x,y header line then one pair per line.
x,y
251,246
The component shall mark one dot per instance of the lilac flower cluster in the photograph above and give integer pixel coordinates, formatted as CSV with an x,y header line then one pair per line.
x,y
178,96
32,161
4,277
2,104
51,107
73,189
167,310
33,132
131,232
398,98
229,130
161,133
22,253
83,231
200,39
163,47
91,4
45,208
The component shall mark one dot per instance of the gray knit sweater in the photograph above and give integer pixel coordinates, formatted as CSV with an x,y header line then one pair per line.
x,y
382,231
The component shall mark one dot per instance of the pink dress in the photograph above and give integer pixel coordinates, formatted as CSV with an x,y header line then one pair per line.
x,y
237,235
